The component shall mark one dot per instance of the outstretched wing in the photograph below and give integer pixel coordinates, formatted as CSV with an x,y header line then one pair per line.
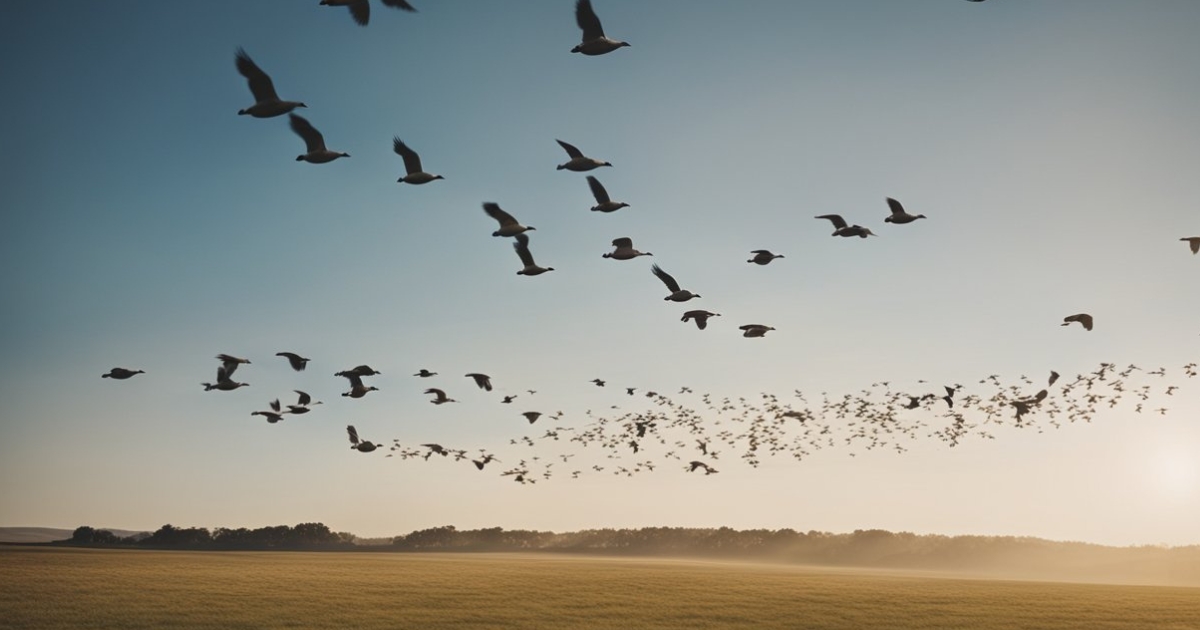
x,y
312,138
598,191
624,241
522,247
361,11
412,162
666,278
353,434
836,219
400,4
260,84
570,149
493,210
304,397
586,18
895,206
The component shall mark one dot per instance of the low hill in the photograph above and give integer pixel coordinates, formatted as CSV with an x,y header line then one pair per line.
x,y
49,534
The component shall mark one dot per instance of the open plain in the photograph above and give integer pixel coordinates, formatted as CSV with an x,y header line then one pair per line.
x,y
74,588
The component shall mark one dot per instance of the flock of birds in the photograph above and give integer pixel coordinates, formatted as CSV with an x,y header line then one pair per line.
x,y
696,429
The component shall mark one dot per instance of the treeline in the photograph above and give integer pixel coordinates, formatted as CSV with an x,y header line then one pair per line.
x,y
302,536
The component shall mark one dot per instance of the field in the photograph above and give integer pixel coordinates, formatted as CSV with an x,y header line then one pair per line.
x,y
74,588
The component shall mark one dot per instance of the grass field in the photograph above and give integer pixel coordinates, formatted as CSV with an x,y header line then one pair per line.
x,y
87,588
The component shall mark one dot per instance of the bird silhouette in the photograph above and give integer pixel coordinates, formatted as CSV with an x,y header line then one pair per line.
x,y
594,42
439,396
508,225
1083,318
677,294
624,250
297,362
578,162
267,103
414,174
763,257
360,10
898,214
521,245
120,373
603,202
841,228
314,142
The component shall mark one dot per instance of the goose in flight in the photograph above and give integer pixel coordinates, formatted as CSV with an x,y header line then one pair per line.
x,y
297,362
266,101
594,42
439,396
598,382
224,383
532,416
231,363
898,214
482,380
360,10
272,416
578,162
842,229
708,470
120,373
1053,377
314,142
508,399
1082,318
624,250
521,245
508,224
425,373
412,164
700,317
436,448
677,294
763,256
1193,242
303,404
483,461
603,202
359,445
357,389
361,370
755,330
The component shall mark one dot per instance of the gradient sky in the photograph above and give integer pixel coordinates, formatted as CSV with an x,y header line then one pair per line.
x,y
1054,147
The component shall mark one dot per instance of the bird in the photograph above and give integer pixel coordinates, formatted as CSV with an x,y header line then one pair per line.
x,y
1193,242
272,416
231,363
412,164
482,380
314,142
532,416
508,225
297,362
598,382
1082,318
303,403
355,443
360,10
949,397
361,370
120,373
700,317
841,229
708,470
483,461
755,330
624,250
762,257
603,202
435,448
266,102
521,245
1053,377
425,373
898,214
357,389
630,390
508,399
578,162
224,383
439,396
594,42
677,294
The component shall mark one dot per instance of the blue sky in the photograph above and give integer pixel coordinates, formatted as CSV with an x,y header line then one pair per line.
x,y
1053,147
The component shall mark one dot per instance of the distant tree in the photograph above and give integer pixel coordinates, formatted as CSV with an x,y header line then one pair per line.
x,y
83,535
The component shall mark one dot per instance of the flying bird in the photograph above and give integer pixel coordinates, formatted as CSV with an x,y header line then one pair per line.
x,y
578,162
439,396
598,382
624,250
1082,318
708,470
120,373
508,399
272,416
482,380
355,443
360,10
700,317
677,294
1053,377
231,363
842,229
357,389
755,330
425,373
266,102
297,362
412,164
603,202
898,214
1193,242
361,370
532,416
303,405
314,142
594,42
521,245
224,383
508,225
762,257
435,448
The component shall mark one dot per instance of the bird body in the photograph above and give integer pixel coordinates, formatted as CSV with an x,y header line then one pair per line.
x,y
763,256
297,362
267,103
594,42
120,373
579,162
1083,318
482,380
224,383
359,445
314,142
841,228
412,165
677,294
624,250
272,416
357,389
898,214
425,373
360,371
1193,242
439,396
603,202
521,245
508,225
700,317
532,416
755,330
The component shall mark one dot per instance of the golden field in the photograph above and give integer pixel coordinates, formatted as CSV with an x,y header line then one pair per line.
x,y
77,588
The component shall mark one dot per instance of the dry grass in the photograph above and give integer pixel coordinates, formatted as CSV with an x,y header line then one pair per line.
x,y
76,588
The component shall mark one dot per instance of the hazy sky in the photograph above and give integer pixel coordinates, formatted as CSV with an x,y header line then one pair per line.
x,y
1054,147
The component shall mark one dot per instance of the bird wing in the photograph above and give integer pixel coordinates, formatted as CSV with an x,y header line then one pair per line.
x,y
400,4
895,206
666,278
304,397
353,434
412,161
836,219
586,18
570,149
260,84
522,247
275,405
624,241
361,11
598,191
436,392
312,138
355,380
494,211
222,374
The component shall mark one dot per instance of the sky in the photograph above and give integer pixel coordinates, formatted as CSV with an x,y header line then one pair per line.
x,y
1053,147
